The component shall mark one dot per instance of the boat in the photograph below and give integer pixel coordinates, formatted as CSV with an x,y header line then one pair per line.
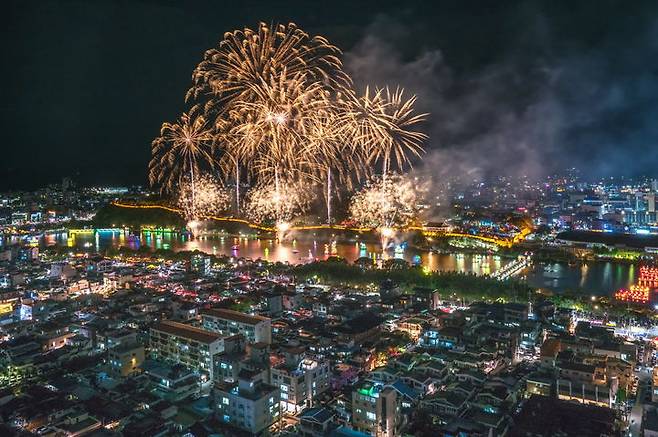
x,y
235,247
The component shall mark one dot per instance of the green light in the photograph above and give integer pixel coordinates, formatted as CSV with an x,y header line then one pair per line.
x,y
369,392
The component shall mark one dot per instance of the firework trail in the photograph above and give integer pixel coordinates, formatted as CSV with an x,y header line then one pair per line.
x,y
180,151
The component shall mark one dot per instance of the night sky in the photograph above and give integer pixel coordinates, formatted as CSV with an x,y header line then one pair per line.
x,y
521,88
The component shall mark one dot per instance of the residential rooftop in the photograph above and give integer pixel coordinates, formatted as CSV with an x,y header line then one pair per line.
x,y
187,331
236,316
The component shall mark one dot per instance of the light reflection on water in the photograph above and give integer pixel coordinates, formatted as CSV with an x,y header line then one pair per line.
x,y
291,251
600,278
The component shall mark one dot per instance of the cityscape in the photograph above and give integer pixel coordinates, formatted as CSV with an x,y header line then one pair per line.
x,y
318,227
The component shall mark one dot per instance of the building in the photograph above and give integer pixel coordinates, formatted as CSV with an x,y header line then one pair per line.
x,y
125,359
250,405
256,329
316,422
200,264
375,409
650,423
171,383
539,384
586,384
193,347
545,416
414,326
300,380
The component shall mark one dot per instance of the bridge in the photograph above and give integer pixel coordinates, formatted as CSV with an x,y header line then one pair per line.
x,y
512,269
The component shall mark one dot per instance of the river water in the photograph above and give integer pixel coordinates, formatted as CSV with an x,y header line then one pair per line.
x,y
596,278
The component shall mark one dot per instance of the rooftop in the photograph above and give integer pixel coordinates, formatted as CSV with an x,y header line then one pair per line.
x,y
316,414
236,316
543,416
187,331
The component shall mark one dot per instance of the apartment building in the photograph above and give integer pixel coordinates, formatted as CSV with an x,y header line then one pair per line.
x,y
191,346
250,405
256,329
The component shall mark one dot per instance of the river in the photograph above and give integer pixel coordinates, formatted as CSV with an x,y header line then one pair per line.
x,y
596,278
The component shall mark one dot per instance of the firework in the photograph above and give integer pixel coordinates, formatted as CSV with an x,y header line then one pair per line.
x,y
383,125
205,197
277,203
245,59
387,203
269,91
329,142
284,111
180,151
272,132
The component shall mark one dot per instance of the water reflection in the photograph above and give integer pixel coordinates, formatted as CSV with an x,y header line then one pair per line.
x,y
295,251
598,278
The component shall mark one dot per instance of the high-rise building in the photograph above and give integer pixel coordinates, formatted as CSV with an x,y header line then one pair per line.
x,y
651,202
375,409
256,329
193,347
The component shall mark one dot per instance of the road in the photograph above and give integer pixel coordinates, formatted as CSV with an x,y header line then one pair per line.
x,y
638,408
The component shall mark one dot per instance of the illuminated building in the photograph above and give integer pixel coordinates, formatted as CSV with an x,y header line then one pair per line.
x,y
586,383
648,276
300,380
250,404
171,382
256,329
125,359
539,384
188,345
640,292
414,326
635,293
375,409
200,264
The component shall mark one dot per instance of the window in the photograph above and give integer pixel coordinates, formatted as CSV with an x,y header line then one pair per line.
x,y
284,388
225,401
371,416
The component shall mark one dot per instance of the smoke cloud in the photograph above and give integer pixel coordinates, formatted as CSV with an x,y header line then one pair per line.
x,y
531,112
